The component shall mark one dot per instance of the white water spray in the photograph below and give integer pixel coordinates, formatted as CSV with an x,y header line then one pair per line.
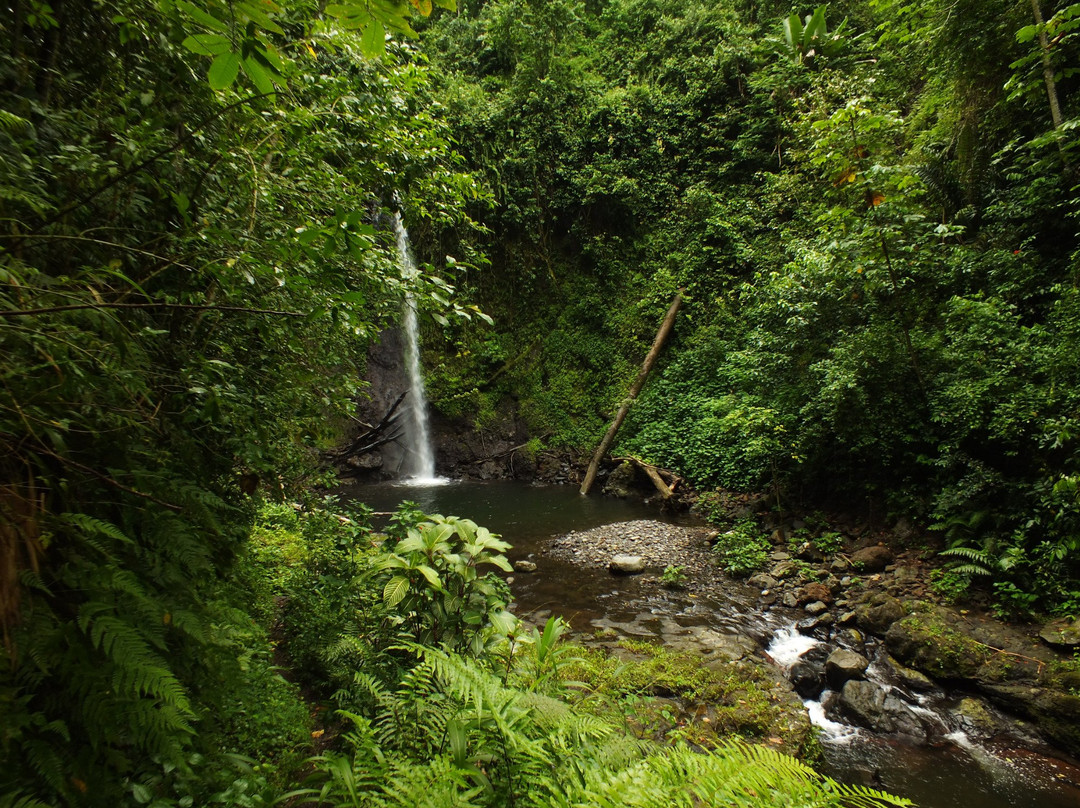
x,y
419,461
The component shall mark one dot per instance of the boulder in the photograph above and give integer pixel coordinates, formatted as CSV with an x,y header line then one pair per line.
x,y
864,702
843,665
1056,714
807,679
974,715
763,581
815,608
813,592
524,566
620,483
929,642
911,678
872,559
879,612
626,565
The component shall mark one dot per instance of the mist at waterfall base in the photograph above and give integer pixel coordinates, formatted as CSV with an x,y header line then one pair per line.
x,y
951,774
418,467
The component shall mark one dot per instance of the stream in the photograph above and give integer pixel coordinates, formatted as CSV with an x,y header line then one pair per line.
x,y
950,771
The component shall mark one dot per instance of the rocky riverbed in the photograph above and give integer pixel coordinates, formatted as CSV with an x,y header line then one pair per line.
x,y
884,646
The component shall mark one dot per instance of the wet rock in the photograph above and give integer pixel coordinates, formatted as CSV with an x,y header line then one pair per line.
x,y
840,565
1057,714
807,679
973,714
779,555
1061,633
879,612
872,559
911,678
843,665
370,461
815,608
627,565
524,566
864,702
763,581
790,600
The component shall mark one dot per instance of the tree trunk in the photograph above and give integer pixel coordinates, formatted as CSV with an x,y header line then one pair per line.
x,y
1048,74
643,374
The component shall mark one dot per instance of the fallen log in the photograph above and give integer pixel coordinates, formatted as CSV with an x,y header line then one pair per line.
x,y
656,474
635,388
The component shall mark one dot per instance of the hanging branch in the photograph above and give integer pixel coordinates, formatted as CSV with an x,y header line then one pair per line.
x,y
373,437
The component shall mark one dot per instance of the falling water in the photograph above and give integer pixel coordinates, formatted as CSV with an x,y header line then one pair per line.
x,y
419,463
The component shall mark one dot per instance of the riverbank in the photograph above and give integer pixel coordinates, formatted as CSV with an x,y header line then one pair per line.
x,y
1000,681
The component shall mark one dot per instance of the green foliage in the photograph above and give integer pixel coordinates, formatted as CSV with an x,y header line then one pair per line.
x,y
743,549
430,581
950,584
452,733
189,278
673,577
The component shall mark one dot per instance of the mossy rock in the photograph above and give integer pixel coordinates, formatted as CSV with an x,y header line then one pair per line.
x,y
1056,714
926,642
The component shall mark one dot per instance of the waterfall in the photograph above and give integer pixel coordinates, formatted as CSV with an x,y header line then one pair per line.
x,y
419,462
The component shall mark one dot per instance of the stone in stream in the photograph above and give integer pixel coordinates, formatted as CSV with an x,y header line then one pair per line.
x,y
843,665
869,705
626,565
807,680
815,608
524,566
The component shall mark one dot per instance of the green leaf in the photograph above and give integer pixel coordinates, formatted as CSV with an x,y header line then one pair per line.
x,y
1027,33
223,70
431,576
373,40
207,44
793,31
449,5
259,76
256,15
395,590
503,622
199,15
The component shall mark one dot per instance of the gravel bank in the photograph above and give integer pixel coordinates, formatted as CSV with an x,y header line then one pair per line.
x,y
659,544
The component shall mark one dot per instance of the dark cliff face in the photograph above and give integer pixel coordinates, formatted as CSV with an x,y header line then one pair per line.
x,y
498,451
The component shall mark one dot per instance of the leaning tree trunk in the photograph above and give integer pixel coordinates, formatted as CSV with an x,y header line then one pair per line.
x,y
1048,76
639,382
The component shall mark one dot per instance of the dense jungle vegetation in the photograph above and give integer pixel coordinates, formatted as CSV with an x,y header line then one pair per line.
x,y
872,210
873,223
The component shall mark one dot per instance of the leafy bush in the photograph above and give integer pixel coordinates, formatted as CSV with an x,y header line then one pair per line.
x,y
743,549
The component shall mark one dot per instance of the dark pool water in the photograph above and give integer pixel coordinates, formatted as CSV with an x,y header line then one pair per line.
x,y
952,775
